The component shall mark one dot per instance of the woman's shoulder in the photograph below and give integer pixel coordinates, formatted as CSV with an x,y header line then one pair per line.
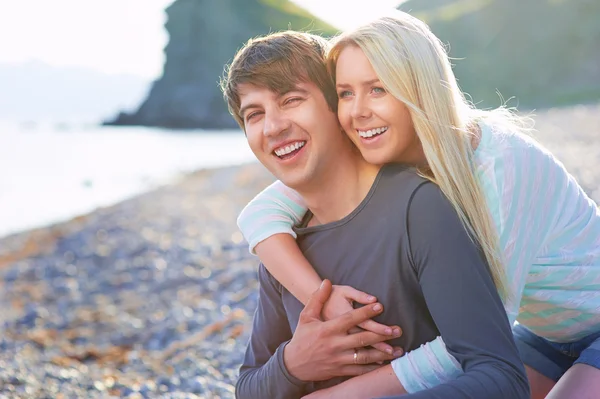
x,y
504,143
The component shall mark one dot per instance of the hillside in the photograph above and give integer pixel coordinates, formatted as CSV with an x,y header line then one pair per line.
x,y
543,52
203,36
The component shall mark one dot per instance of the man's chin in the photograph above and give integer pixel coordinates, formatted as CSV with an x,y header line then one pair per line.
x,y
294,180
295,176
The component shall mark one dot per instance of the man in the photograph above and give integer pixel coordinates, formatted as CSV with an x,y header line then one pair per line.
x,y
376,229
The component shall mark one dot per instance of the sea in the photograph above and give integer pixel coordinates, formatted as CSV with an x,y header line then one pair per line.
x,y
53,172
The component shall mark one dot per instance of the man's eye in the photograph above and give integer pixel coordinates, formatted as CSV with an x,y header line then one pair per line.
x,y
292,100
252,115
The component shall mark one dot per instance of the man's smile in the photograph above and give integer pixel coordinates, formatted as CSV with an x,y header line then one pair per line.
x,y
289,149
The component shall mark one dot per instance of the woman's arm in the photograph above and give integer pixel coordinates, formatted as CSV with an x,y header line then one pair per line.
x,y
282,257
274,210
266,223
375,384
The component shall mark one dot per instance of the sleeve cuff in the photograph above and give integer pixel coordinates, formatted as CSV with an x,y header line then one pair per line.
x,y
258,238
284,371
426,367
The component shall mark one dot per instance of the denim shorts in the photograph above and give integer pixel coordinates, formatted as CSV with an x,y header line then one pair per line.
x,y
553,359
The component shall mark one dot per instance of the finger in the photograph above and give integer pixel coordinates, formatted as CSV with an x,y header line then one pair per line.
x,y
368,356
357,369
355,295
398,352
383,347
356,316
315,303
355,330
380,346
361,340
373,326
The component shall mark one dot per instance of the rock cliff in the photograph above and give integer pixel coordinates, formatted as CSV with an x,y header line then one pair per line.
x,y
203,36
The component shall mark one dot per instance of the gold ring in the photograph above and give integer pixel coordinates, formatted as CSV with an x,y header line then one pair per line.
x,y
355,356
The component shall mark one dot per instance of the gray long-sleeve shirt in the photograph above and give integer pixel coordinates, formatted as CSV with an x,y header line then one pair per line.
x,y
406,245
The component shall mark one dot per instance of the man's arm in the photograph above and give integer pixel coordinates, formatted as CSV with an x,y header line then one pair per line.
x,y
465,306
276,363
263,373
464,303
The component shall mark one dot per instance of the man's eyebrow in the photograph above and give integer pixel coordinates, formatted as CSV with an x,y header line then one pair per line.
x,y
255,105
367,83
248,106
294,90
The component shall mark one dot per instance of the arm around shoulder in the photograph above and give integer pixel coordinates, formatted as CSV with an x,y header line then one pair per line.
x,y
274,210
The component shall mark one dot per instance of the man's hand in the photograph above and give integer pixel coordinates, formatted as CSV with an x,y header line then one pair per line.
x,y
340,302
320,350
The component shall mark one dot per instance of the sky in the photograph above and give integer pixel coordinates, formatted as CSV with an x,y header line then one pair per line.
x,y
122,36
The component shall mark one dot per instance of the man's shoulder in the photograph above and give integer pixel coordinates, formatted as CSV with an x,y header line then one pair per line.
x,y
395,189
402,180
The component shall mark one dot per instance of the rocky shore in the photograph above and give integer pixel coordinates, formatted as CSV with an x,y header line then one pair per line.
x,y
154,297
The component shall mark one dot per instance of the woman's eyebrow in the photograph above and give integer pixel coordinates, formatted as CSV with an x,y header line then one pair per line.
x,y
367,83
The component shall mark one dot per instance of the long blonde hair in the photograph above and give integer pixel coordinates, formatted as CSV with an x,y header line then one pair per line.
x,y
413,65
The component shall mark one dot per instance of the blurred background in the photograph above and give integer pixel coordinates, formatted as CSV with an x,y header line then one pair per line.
x,y
120,174
67,67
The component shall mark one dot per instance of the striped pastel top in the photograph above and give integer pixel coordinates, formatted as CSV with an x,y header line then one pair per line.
x,y
549,232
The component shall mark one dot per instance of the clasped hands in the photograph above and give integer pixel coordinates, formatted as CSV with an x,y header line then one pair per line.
x,y
347,343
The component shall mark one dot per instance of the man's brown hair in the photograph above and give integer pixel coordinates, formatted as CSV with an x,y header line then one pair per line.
x,y
278,62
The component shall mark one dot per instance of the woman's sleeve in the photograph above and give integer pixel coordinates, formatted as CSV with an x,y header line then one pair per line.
x,y
427,366
275,210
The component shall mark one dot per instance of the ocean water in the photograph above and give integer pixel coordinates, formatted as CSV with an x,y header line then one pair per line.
x,y
51,173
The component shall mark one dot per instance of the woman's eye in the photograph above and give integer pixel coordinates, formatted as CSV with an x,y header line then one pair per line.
x,y
378,90
344,93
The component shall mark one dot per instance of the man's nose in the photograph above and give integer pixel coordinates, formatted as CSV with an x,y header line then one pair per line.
x,y
275,123
360,108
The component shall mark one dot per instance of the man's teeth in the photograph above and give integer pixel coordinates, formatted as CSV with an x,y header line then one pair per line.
x,y
372,132
289,148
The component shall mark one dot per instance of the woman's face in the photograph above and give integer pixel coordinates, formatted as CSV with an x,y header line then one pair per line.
x,y
377,122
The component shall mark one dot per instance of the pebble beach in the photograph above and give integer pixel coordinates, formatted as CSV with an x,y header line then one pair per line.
x,y
153,297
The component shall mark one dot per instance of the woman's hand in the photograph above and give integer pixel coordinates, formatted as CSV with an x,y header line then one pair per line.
x,y
340,302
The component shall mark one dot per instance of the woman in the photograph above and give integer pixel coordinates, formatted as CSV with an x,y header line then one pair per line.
x,y
539,232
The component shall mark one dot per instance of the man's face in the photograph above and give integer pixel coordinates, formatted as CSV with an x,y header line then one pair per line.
x,y
294,135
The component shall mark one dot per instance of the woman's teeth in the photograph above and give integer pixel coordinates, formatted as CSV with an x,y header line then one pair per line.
x,y
372,132
289,148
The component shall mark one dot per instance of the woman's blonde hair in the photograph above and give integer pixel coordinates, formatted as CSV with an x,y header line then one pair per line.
x,y
412,64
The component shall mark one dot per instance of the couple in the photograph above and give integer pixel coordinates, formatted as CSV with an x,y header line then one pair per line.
x,y
468,221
